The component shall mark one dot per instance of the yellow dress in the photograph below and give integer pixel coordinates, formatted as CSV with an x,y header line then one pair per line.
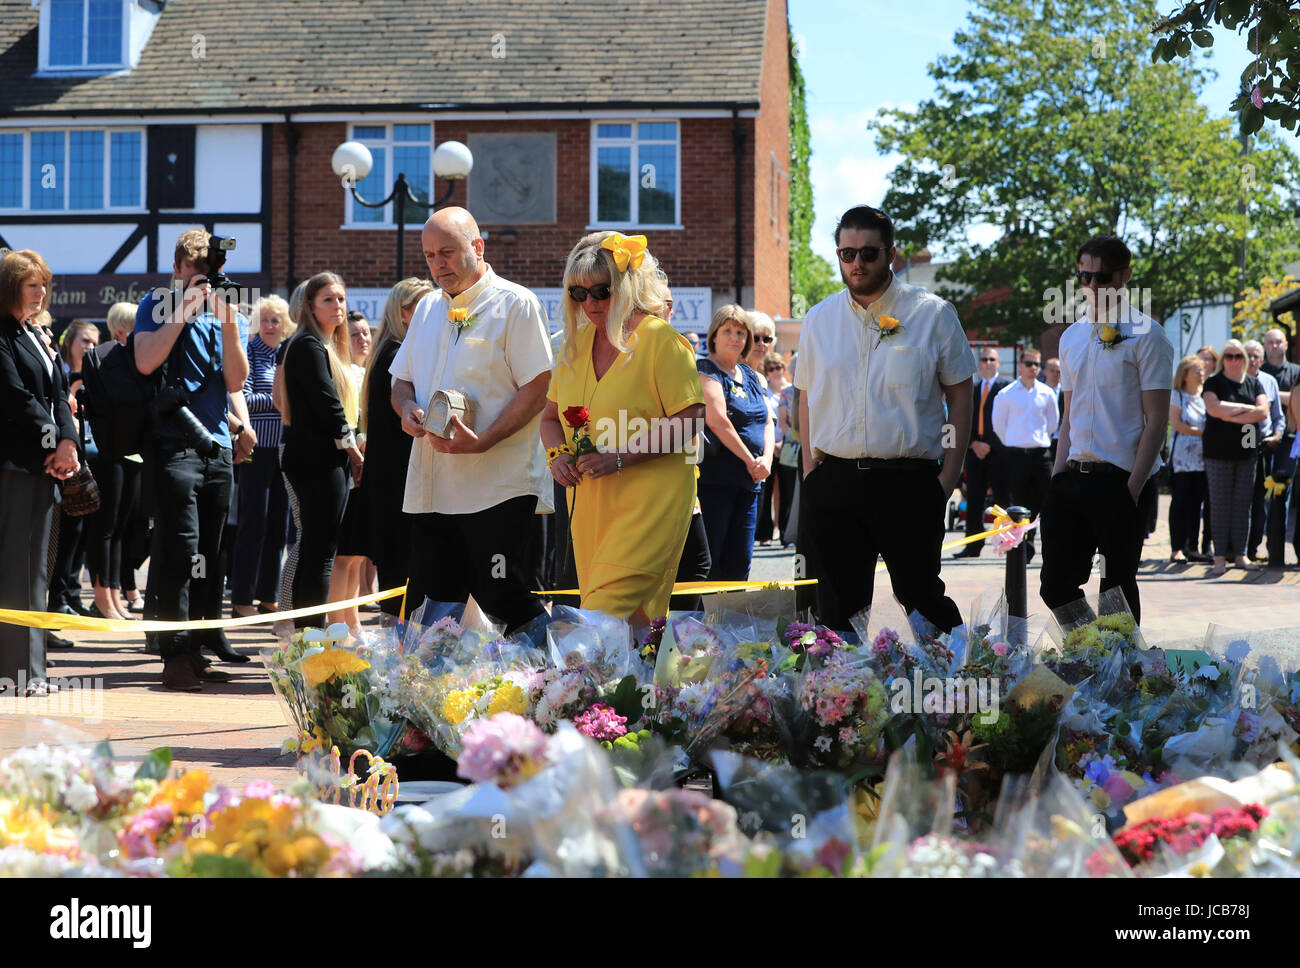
x,y
628,529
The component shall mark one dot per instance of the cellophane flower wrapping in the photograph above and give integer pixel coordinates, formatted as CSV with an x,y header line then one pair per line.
x,y
600,643
1043,828
327,694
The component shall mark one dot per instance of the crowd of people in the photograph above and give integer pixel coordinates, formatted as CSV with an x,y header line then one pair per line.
x,y
457,447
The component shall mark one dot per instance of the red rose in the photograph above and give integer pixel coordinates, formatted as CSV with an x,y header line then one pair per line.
x,y
577,417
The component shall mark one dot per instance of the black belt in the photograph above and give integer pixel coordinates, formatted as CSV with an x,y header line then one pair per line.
x,y
1031,451
1094,467
885,463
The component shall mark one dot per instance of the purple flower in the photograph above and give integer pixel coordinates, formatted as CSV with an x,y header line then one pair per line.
x,y
1256,98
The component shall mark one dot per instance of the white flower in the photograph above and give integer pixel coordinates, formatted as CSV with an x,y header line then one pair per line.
x,y
823,743
80,795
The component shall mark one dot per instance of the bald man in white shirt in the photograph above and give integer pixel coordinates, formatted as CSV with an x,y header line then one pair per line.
x,y
1024,418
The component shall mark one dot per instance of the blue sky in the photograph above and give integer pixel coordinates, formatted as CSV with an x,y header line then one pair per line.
x,y
859,56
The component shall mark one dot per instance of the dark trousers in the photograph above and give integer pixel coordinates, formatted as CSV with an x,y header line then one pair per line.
x,y
695,565
1283,469
1187,495
1029,472
1088,514
191,504
69,554
107,528
785,478
981,474
263,517
322,499
1258,504
494,554
765,524
26,512
857,516
730,517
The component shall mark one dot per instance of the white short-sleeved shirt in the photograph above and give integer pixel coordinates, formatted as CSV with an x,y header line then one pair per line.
x,y
505,347
1106,383
873,398
1025,417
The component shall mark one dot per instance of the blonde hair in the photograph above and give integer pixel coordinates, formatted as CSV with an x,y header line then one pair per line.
x,y
1234,344
192,245
295,304
633,290
336,346
765,322
278,306
404,295
1185,366
731,313
121,318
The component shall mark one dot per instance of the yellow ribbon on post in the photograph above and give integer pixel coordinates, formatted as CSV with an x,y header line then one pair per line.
x,y
626,250
1274,488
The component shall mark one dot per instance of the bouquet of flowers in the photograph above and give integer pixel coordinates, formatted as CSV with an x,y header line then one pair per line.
x,y
849,709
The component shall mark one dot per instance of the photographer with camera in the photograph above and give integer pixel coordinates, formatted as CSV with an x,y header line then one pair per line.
x,y
192,335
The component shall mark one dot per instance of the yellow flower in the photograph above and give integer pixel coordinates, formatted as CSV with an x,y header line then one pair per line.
x,y
185,793
35,829
324,666
888,323
1108,334
508,699
458,315
458,705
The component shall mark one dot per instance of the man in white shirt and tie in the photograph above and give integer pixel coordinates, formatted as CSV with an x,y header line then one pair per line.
x,y
1024,418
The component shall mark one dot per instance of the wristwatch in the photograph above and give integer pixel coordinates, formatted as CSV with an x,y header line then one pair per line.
x,y
238,430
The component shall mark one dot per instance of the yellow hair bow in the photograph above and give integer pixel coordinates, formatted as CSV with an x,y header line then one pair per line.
x,y
626,249
1274,488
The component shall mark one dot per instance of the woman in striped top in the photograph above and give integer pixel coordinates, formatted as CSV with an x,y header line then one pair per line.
x,y
263,507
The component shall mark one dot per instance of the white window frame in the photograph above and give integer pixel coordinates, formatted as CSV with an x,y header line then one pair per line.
x,y
46,36
635,174
350,204
107,133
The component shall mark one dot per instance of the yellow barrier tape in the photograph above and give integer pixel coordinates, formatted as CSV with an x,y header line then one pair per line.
x,y
706,587
58,622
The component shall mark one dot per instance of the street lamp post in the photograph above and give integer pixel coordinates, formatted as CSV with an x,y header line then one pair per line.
x,y
352,161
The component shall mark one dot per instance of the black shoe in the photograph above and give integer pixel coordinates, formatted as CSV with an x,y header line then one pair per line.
x,y
53,641
970,551
371,607
220,646
1196,559
202,670
78,608
63,608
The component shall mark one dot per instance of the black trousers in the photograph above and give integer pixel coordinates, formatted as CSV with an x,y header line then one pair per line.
x,y
981,474
858,516
785,478
191,504
1258,504
494,554
322,499
1029,472
694,566
69,554
263,519
27,509
1187,495
1087,514
107,528
766,524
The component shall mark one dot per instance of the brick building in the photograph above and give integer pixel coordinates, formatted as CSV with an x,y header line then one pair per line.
x,y
123,122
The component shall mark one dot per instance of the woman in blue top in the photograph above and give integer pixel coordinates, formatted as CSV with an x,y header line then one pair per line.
x,y
738,420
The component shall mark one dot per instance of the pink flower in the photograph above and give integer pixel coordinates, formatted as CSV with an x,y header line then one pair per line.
x,y
601,722
999,648
505,750
1256,98
1117,788
259,790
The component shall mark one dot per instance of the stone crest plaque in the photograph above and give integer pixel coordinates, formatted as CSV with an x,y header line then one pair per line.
x,y
513,181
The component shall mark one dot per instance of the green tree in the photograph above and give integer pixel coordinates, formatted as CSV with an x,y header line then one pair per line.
x,y
811,277
1051,122
1270,84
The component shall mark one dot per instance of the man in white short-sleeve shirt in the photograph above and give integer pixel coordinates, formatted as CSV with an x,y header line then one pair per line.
x,y
877,364
1116,375
1025,416
474,496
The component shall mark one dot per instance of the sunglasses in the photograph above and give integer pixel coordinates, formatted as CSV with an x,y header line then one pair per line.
x,y
764,339
989,359
849,255
1033,363
1102,278
1233,356
599,292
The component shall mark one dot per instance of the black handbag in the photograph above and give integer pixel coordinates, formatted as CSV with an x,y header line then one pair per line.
x,y
80,491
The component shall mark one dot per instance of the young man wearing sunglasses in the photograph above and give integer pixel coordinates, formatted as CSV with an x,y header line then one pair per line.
x,y
1025,416
1116,375
877,364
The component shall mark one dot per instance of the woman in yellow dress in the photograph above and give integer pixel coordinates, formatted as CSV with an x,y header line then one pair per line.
x,y
630,469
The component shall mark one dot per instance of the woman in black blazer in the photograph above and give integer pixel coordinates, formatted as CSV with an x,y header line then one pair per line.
x,y
388,446
320,445
38,445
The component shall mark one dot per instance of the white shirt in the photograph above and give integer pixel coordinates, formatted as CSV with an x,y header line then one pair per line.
x,y
1274,419
505,347
873,398
1106,384
1025,416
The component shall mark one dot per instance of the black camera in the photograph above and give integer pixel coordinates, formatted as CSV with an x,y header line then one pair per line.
x,y
170,404
215,261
